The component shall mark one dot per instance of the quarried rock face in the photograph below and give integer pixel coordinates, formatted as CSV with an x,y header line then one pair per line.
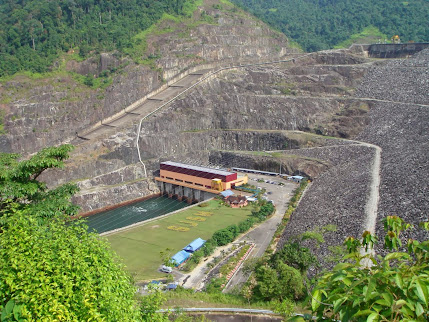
x,y
113,195
397,123
243,109
52,110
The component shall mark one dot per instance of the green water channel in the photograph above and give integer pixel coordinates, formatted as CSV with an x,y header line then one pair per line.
x,y
132,213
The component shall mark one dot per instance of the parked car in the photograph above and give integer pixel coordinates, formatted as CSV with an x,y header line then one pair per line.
x,y
166,269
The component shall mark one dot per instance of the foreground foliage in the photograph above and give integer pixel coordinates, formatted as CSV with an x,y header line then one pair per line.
x,y
58,271
394,287
282,275
51,267
21,190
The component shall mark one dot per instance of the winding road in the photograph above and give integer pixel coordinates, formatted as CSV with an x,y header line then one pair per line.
x,y
162,98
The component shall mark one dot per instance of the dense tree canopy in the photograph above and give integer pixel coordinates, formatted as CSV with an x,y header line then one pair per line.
x,y
34,32
20,189
322,24
51,267
58,271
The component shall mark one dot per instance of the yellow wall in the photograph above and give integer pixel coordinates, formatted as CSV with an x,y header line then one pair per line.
x,y
198,181
207,183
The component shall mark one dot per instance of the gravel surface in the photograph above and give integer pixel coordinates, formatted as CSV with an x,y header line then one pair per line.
x,y
402,132
401,129
338,196
402,80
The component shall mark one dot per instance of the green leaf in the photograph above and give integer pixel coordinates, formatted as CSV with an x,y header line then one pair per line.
x,y
397,255
341,266
419,309
9,306
338,303
422,291
382,302
363,313
388,297
399,281
370,289
372,317
7,310
347,281
406,311
315,301
400,303
17,311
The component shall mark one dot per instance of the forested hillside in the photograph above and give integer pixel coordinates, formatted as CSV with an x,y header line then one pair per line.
x,y
322,24
34,32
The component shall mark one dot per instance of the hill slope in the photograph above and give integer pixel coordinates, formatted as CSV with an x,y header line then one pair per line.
x,y
34,32
322,24
40,110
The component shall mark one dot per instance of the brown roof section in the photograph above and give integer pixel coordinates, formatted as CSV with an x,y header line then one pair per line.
x,y
236,199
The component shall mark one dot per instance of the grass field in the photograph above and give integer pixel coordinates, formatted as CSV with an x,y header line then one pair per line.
x,y
140,247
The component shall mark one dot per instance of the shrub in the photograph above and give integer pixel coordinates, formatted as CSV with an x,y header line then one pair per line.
x,y
234,230
393,287
223,237
209,247
178,228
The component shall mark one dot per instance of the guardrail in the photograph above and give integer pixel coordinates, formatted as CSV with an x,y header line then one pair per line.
x,y
233,310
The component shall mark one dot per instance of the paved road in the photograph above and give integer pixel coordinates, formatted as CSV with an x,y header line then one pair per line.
x,y
263,233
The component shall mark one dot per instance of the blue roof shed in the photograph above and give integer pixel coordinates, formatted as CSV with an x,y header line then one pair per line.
x,y
195,245
227,193
180,257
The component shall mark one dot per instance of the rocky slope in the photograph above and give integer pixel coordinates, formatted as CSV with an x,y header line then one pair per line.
x,y
233,118
401,129
239,110
399,125
37,112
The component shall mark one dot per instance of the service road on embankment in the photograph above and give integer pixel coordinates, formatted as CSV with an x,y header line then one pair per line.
x,y
262,235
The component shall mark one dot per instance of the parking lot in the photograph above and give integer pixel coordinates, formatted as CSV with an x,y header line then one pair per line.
x,y
278,190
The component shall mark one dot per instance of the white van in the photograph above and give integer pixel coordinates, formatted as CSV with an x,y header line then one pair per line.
x,y
166,269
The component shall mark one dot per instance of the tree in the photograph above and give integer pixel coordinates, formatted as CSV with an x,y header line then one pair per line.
x,y
166,257
393,287
34,32
21,191
295,255
223,237
150,305
59,271
279,281
51,267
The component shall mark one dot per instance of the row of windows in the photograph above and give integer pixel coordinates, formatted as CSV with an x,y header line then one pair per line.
x,y
188,182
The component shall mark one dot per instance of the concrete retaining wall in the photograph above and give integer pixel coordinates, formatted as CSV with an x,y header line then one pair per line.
x,y
396,50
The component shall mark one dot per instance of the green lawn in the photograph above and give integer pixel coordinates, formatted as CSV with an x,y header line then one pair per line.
x,y
140,247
